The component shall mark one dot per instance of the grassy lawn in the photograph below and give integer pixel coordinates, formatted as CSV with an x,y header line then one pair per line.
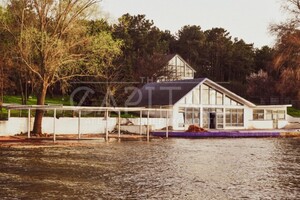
x,y
294,112
32,100
49,113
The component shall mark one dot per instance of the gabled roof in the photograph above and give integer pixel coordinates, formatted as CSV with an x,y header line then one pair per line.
x,y
169,57
171,92
164,93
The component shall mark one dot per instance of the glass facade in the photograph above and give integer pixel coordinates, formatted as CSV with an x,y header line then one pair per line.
x,y
196,96
260,115
264,114
213,118
178,69
274,114
234,117
210,96
214,115
191,115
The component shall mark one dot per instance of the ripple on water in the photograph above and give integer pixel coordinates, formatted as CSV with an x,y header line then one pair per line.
x,y
161,169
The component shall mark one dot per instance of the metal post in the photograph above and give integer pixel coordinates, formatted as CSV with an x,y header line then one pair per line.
x,y
54,128
8,114
141,115
224,118
167,125
106,126
148,128
119,124
79,117
28,124
201,116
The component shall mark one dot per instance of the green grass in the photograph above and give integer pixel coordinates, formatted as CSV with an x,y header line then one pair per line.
x,y
57,100
293,112
32,100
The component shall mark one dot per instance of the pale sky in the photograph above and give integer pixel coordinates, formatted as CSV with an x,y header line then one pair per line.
x,y
245,19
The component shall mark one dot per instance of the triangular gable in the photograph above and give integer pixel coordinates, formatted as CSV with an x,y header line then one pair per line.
x,y
173,56
228,92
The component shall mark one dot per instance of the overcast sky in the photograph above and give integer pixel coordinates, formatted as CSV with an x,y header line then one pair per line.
x,y
245,19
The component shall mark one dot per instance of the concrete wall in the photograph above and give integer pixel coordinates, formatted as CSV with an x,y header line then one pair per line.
x,y
156,123
261,124
266,124
13,126
69,125
282,123
293,119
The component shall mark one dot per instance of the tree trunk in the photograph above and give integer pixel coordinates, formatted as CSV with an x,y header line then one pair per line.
x,y
37,127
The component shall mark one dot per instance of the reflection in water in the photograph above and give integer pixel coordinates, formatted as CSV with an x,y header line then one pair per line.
x,y
161,169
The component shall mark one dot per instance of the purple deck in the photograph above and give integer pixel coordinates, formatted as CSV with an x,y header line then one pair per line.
x,y
224,134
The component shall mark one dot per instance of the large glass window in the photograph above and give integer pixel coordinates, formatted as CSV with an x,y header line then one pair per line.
x,y
216,113
281,114
189,99
192,115
172,62
180,62
205,95
258,115
219,98
189,72
220,118
269,115
212,96
180,71
229,101
205,118
275,114
234,117
196,96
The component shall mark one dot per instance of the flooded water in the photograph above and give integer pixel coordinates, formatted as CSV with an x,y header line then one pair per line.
x,y
161,169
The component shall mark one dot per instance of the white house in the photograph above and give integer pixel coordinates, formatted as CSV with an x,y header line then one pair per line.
x,y
179,69
208,104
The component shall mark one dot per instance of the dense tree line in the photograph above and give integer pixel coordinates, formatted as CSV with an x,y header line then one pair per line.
x,y
46,46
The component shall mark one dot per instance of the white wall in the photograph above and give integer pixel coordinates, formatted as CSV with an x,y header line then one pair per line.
x,y
266,124
156,123
282,123
14,125
248,113
293,119
69,125
261,124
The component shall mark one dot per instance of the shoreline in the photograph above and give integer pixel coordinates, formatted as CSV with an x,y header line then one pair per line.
x,y
92,139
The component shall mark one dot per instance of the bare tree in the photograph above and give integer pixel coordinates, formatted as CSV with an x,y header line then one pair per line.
x,y
287,51
49,36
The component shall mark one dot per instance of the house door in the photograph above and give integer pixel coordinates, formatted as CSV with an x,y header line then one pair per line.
x,y
212,120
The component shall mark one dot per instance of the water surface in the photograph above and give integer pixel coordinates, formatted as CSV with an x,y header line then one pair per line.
x,y
160,169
